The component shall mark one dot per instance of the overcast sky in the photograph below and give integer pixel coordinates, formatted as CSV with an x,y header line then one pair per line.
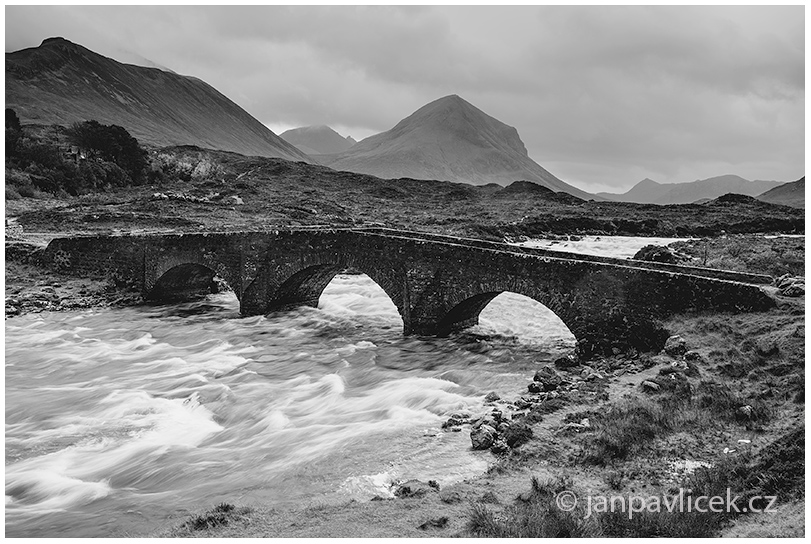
x,y
601,96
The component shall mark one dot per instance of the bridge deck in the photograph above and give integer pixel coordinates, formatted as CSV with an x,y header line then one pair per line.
x,y
742,277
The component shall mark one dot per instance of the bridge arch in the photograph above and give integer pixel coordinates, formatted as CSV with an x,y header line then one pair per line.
x,y
597,307
184,281
283,283
466,306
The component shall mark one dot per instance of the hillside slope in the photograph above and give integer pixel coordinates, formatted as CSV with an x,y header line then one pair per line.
x,y
60,82
789,194
449,139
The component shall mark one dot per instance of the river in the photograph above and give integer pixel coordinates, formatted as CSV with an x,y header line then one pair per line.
x,y
121,421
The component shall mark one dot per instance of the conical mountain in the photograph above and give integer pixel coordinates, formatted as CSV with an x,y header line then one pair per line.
x,y
60,82
451,140
318,139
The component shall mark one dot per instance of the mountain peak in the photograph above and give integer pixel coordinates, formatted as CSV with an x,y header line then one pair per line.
x,y
55,39
317,140
62,83
449,139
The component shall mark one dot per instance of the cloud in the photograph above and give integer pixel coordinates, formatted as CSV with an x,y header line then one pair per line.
x,y
601,96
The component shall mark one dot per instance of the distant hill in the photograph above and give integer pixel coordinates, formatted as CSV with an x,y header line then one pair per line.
x,y
449,139
61,83
528,189
318,140
648,191
789,194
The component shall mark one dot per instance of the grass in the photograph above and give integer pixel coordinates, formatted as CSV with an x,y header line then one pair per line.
x,y
626,427
779,471
534,516
754,254
221,515
631,425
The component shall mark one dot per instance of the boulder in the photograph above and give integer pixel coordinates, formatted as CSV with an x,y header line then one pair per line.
x,y
693,356
482,437
535,387
675,346
450,497
564,363
648,385
503,427
491,397
680,366
790,286
548,378
517,434
744,412
654,253
438,523
522,404
499,446
413,488
485,420
793,290
589,374
452,422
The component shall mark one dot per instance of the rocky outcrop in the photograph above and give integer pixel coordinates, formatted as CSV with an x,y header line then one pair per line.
x,y
789,286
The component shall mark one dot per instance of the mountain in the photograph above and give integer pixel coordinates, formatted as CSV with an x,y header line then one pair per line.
x,y
319,140
648,191
61,82
448,139
788,194
528,190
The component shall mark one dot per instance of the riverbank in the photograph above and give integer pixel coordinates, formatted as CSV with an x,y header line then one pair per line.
x,y
723,408
32,288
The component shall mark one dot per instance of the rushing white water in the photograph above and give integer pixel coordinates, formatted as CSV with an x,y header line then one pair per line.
x,y
119,421
612,246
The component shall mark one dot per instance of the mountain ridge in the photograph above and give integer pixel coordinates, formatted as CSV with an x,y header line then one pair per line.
x,y
648,191
449,139
60,82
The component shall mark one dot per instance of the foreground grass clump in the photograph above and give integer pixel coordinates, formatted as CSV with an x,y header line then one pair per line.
x,y
533,516
625,428
219,516
629,426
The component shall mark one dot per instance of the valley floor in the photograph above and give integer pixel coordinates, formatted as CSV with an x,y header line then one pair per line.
x,y
740,388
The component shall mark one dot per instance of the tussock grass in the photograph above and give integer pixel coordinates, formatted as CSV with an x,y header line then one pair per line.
x,y
629,426
624,428
201,524
535,515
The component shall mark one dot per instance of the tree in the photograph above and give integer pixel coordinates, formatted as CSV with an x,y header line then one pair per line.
x,y
111,143
12,121
14,132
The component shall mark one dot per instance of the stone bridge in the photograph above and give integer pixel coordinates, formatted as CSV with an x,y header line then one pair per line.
x,y
438,283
